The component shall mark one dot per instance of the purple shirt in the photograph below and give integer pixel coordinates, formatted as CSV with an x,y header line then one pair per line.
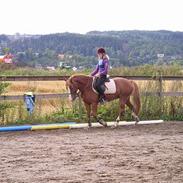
x,y
102,67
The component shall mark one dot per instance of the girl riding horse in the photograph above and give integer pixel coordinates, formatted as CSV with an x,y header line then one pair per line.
x,y
124,90
101,72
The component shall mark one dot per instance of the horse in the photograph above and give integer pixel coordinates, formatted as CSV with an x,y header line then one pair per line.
x,y
83,85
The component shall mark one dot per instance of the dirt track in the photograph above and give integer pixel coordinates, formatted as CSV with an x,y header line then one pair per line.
x,y
149,153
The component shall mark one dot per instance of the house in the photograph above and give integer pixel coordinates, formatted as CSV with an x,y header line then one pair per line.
x,y
61,56
50,68
74,69
6,58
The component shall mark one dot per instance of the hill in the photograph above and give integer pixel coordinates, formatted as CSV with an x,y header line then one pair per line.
x,y
129,48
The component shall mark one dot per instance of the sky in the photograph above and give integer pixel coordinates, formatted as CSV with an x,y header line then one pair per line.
x,y
81,16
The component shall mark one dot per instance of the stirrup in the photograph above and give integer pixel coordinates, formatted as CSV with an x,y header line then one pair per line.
x,y
102,101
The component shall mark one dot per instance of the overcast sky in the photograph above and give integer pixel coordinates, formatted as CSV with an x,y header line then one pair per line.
x,y
81,16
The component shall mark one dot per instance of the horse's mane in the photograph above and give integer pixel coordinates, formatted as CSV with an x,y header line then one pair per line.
x,y
73,75
76,75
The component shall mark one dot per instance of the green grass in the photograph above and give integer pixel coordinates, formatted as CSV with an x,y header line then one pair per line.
x,y
171,109
145,70
149,70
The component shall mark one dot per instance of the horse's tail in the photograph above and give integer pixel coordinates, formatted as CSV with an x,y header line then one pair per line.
x,y
136,98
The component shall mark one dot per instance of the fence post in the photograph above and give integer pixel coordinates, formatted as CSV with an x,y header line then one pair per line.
x,y
160,92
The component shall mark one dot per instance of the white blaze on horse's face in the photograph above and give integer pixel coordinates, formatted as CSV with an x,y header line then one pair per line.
x,y
70,97
72,90
72,94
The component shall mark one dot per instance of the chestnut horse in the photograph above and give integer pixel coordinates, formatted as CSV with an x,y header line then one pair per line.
x,y
124,89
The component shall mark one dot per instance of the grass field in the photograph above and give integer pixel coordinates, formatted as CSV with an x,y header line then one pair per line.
x,y
20,87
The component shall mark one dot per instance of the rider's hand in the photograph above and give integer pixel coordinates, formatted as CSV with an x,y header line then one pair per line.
x,y
97,75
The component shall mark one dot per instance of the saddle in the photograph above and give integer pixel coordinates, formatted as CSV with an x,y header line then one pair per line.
x,y
110,86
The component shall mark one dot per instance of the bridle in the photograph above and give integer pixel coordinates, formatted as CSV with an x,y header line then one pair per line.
x,y
77,94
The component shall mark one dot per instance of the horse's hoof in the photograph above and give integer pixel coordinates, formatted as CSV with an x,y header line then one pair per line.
x,y
136,123
103,123
136,118
114,126
87,128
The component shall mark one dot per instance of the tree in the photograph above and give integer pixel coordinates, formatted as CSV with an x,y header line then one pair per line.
x,y
5,50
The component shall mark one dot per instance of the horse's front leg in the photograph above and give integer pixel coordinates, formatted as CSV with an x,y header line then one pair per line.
x,y
88,110
94,114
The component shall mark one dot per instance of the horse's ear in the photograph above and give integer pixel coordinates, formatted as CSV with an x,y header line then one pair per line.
x,y
68,83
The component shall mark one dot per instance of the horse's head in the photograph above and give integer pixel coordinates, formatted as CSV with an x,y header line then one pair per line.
x,y
77,83
72,87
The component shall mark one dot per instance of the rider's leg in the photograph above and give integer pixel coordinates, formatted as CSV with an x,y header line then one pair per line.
x,y
100,88
101,96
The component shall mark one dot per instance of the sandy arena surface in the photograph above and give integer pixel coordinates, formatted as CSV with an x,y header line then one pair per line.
x,y
144,153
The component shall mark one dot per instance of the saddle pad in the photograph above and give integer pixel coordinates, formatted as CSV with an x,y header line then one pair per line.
x,y
110,87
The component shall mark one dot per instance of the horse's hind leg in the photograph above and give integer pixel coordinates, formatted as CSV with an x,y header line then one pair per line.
x,y
134,112
122,101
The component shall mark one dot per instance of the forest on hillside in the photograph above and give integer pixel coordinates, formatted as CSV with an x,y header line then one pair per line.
x,y
125,48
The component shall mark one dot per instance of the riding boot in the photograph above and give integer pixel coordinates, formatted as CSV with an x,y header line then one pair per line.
x,y
102,99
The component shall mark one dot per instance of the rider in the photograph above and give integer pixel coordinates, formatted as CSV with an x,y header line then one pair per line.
x,y
101,72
